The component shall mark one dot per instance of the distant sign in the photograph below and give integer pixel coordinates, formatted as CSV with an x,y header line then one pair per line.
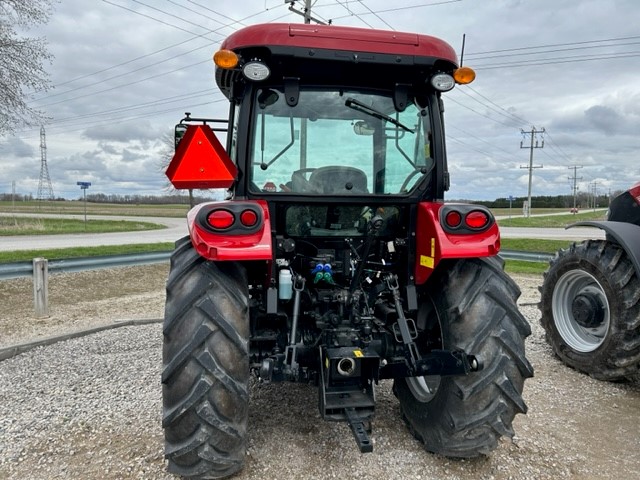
x,y
84,185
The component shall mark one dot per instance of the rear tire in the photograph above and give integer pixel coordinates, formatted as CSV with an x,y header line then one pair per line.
x,y
604,342
205,365
471,305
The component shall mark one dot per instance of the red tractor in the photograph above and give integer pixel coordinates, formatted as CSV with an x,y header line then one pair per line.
x,y
335,260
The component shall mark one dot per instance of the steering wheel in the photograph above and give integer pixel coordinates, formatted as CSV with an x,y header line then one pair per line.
x,y
407,180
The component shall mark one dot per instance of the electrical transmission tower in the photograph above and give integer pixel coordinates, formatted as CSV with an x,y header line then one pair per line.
x,y
45,190
533,133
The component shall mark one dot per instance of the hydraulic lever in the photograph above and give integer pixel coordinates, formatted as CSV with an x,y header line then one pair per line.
x,y
405,334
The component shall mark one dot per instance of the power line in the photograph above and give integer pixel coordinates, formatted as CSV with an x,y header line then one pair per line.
x,y
507,112
584,42
376,15
409,7
126,84
124,74
153,18
558,60
514,120
554,146
510,155
451,99
138,58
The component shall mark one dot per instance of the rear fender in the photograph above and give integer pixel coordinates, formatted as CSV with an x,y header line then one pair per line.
x,y
627,235
436,241
236,242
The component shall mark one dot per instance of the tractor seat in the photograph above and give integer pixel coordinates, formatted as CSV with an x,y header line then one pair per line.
x,y
339,180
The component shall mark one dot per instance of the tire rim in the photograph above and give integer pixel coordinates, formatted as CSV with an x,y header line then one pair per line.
x,y
424,388
569,286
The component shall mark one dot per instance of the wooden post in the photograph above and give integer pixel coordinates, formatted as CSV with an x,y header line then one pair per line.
x,y
41,287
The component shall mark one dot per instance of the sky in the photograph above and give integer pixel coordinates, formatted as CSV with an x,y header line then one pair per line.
x,y
125,71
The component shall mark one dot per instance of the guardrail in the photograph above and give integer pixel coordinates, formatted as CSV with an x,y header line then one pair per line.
x,y
25,269
526,256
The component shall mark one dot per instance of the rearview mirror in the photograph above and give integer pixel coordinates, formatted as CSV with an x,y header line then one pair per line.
x,y
363,128
179,132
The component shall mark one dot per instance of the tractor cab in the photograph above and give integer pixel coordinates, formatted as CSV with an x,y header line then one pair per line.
x,y
336,111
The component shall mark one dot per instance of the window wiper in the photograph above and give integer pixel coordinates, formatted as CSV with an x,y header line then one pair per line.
x,y
361,107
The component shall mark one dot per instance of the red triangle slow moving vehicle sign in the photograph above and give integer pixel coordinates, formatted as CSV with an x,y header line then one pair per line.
x,y
201,161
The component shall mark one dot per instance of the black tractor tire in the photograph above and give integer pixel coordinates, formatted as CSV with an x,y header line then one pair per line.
x,y
469,304
205,374
605,343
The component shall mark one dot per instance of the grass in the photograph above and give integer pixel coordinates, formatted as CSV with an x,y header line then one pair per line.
x,y
77,252
533,245
517,266
551,221
10,226
77,207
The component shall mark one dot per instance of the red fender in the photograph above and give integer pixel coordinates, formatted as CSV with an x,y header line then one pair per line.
x,y
246,237
436,240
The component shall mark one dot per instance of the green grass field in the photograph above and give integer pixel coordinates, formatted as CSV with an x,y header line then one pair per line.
x,y
78,252
10,226
77,208
552,221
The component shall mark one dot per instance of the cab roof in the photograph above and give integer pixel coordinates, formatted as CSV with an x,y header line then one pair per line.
x,y
328,54
347,39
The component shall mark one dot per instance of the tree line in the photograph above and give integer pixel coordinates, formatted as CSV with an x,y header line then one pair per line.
x,y
180,199
583,200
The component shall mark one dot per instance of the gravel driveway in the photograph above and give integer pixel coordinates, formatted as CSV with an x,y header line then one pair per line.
x,y
90,407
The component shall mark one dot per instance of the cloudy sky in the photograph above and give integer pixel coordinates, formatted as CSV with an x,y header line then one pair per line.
x,y
125,71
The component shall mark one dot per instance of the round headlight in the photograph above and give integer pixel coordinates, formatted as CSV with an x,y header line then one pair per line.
x,y
442,82
255,71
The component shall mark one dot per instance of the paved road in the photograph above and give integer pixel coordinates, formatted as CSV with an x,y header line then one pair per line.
x,y
176,228
578,233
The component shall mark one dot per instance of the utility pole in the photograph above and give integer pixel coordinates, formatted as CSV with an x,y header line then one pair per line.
x,y
303,121
595,194
575,186
533,134
306,13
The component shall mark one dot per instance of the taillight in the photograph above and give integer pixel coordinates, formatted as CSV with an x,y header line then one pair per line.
x,y
220,219
231,218
453,219
248,218
465,218
476,219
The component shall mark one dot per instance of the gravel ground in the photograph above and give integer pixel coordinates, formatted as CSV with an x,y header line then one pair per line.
x,y
90,407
